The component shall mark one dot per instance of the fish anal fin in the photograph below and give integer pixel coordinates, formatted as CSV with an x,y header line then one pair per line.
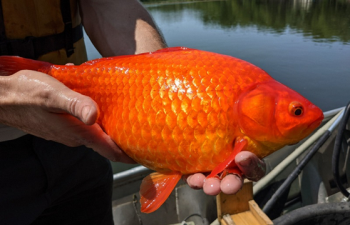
x,y
156,188
229,163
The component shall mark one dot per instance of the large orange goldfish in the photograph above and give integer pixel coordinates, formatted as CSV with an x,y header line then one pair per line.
x,y
180,111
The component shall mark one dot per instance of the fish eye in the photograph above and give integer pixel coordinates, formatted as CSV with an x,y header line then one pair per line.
x,y
296,109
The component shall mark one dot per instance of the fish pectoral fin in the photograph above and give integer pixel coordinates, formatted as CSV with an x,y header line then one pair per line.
x,y
155,189
229,164
231,170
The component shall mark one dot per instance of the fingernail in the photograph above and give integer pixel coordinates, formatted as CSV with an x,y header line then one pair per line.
x,y
86,112
246,162
237,176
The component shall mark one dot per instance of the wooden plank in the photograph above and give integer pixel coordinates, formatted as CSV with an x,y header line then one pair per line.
x,y
233,204
242,208
238,220
223,222
228,219
252,217
259,214
245,218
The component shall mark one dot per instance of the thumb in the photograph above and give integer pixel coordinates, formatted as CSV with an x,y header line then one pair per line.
x,y
76,104
86,111
52,95
251,166
83,108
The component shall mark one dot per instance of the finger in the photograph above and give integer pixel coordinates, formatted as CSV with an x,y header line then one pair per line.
x,y
211,186
231,184
75,133
196,180
100,142
251,166
76,104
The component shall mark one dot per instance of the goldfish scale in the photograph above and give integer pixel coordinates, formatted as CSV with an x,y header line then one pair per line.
x,y
177,135
192,118
188,133
186,105
199,134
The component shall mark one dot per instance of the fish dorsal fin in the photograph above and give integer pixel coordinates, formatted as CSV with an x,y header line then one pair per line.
x,y
164,50
173,49
155,189
92,62
229,163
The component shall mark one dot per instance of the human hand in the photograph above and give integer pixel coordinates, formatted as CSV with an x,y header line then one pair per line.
x,y
252,167
42,106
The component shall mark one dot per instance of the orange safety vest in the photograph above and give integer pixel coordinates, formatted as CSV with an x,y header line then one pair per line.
x,y
47,30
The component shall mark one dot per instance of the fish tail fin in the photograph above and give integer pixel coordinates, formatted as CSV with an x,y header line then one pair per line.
x,y
155,189
12,64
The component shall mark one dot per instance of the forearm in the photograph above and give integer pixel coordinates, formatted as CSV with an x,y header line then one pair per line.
x,y
119,27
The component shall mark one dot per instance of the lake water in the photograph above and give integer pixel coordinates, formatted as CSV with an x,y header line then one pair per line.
x,y
303,44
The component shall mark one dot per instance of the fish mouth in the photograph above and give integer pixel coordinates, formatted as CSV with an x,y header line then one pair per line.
x,y
316,123
313,126
307,131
